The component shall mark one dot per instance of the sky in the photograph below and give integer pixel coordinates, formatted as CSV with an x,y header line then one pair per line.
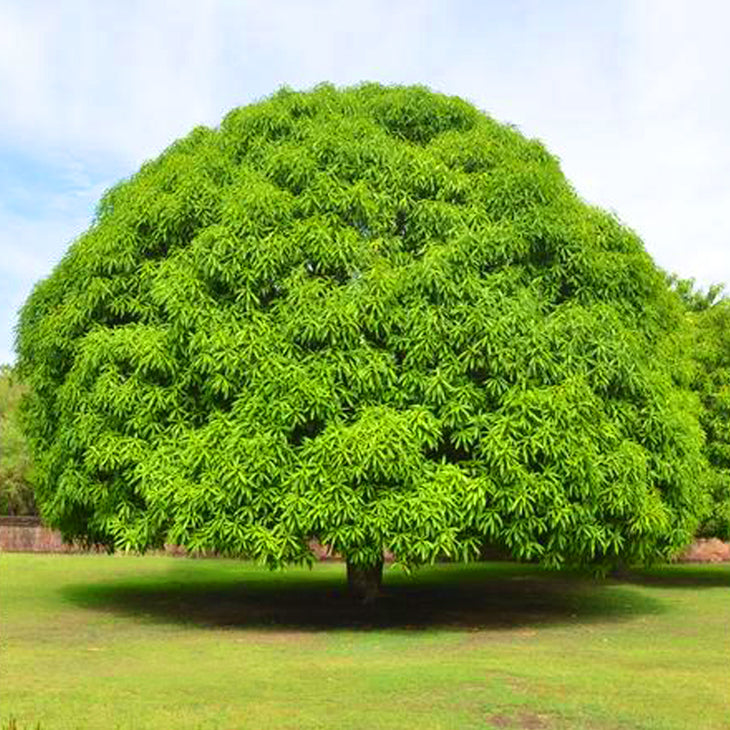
x,y
633,96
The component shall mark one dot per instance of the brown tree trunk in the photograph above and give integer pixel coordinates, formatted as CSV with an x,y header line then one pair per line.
x,y
620,570
364,582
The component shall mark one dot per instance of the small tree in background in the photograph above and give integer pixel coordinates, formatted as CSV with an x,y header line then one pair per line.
x,y
372,316
709,345
692,297
16,491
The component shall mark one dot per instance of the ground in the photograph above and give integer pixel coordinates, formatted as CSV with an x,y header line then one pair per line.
x,y
92,641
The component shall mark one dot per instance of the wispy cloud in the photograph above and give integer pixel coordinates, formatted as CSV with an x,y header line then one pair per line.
x,y
37,224
677,116
133,77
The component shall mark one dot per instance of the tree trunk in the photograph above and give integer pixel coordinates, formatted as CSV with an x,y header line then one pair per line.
x,y
621,570
364,582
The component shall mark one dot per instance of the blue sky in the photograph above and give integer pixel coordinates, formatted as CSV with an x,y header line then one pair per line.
x,y
633,97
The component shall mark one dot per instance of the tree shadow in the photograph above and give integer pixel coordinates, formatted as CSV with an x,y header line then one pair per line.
x,y
452,596
687,575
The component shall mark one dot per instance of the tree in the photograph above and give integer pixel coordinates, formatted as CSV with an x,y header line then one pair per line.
x,y
16,491
373,316
692,297
708,345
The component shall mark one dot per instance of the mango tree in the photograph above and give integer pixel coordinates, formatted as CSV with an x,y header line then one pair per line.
x,y
373,316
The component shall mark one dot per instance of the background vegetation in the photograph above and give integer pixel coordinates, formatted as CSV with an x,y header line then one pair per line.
x,y
708,344
16,474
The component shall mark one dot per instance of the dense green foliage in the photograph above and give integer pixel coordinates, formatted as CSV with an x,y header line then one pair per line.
x,y
373,316
16,491
709,345
712,352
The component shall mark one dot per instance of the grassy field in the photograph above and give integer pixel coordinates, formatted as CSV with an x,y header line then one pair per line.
x,y
158,642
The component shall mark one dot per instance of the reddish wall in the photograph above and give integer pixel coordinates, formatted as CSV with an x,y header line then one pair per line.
x,y
27,535
706,550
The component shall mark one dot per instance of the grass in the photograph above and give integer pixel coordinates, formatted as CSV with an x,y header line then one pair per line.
x,y
90,641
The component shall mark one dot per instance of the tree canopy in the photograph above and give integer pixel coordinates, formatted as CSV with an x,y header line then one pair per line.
x,y
372,316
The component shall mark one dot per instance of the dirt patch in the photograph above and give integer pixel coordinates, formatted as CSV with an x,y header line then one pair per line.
x,y
276,637
521,720
706,550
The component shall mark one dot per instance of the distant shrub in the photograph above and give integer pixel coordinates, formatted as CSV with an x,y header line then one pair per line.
x,y
712,383
709,345
16,491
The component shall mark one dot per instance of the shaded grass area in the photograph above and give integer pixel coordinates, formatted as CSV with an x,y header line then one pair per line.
x,y
473,596
158,642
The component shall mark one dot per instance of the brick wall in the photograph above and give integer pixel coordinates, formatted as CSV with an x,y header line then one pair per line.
x,y
28,535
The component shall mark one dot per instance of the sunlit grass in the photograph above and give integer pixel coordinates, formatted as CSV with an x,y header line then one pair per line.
x,y
157,642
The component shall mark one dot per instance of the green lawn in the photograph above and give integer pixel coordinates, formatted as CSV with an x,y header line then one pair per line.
x,y
157,642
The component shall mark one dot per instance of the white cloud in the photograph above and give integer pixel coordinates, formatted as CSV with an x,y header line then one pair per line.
x,y
104,76
637,105
32,241
677,116
132,77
